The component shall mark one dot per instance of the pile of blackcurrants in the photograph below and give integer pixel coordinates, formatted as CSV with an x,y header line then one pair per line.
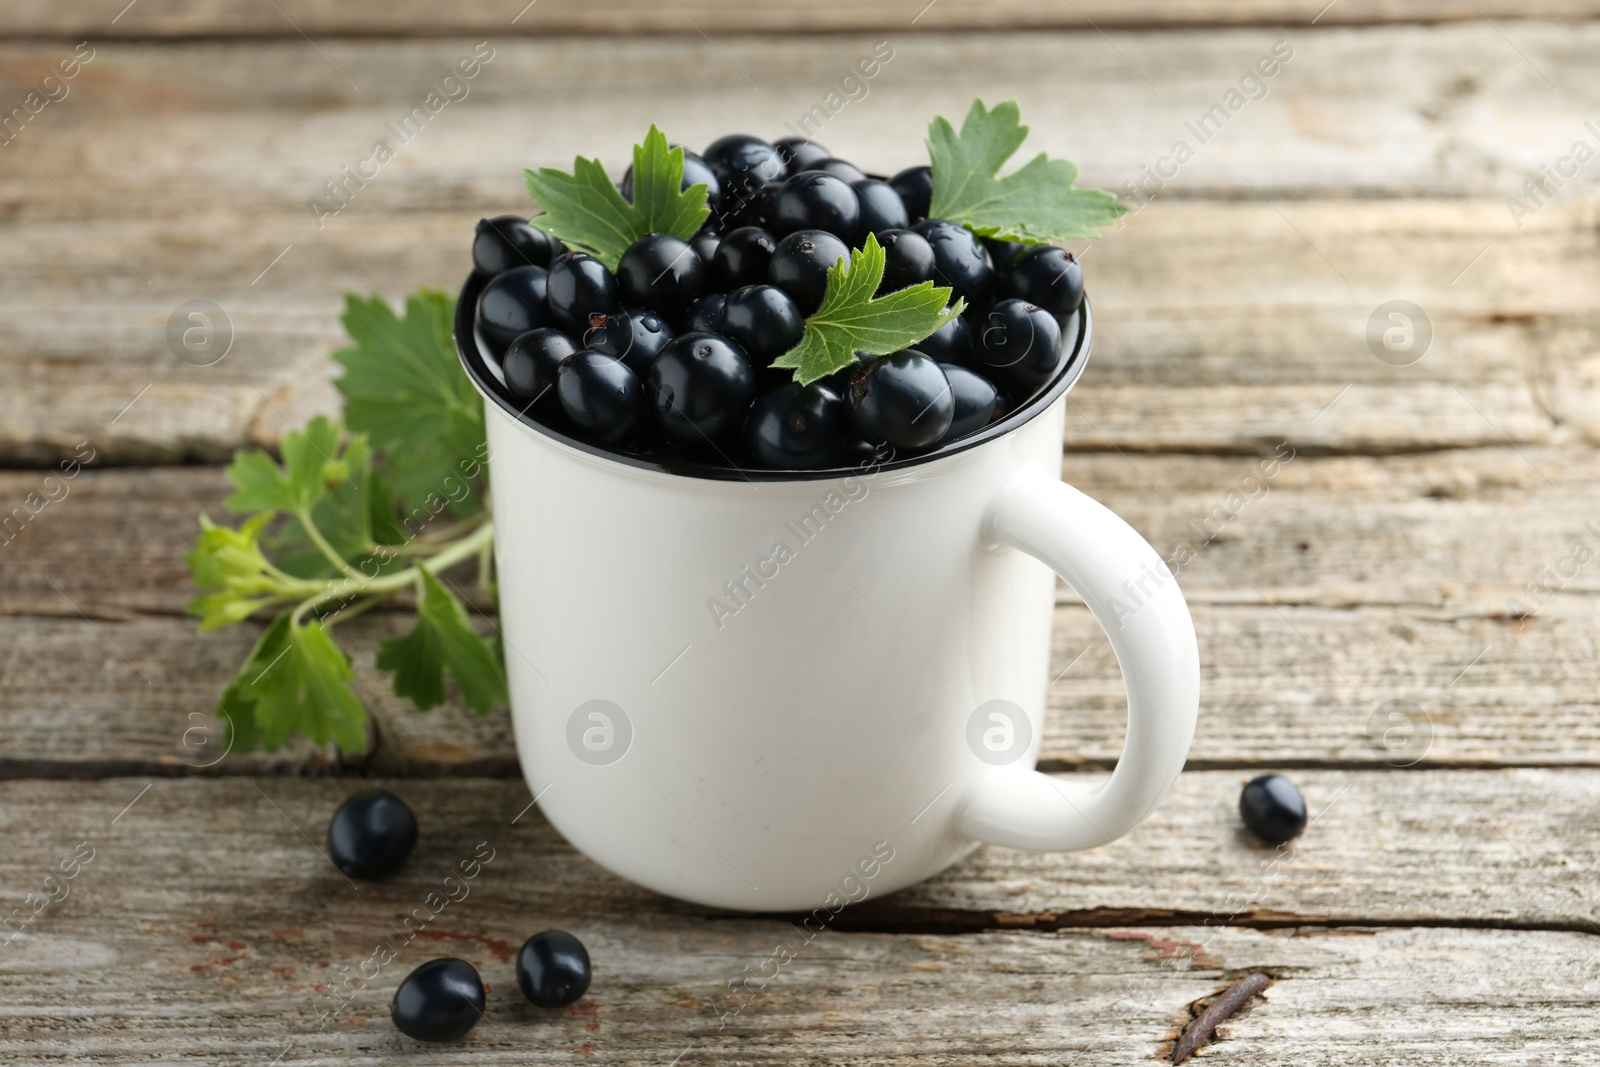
x,y
670,356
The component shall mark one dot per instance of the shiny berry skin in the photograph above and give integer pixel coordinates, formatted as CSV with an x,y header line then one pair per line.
x,y
881,207
903,399
1273,808
758,208
601,396
553,969
976,401
699,388
1047,276
800,266
1019,344
907,260
960,261
514,302
371,834
795,427
762,320
581,286
798,153
705,314
742,258
705,245
635,336
845,172
530,364
817,201
915,186
1003,253
662,273
508,241
439,1001
951,343
695,172
743,164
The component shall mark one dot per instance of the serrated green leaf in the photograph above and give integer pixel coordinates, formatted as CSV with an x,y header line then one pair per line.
x,y
312,462
852,320
405,389
443,638
585,210
231,564
1036,205
295,681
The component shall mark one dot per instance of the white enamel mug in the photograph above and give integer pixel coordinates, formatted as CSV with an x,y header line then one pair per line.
x,y
783,692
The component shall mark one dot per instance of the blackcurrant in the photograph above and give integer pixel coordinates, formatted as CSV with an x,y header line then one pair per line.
x,y
795,427
508,241
1003,253
846,172
915,186
581,286
553,969
695,172
1019,344
760,208
439,1001
907,260
741,259
950,343
662,273
635,336
705,314
959,261
371,834
705,244
514,302
762,320
1273,808
743,164
817,201
600,394
903,399
699,387
530,364
800,266
976,401
881,207
798,153
1047,276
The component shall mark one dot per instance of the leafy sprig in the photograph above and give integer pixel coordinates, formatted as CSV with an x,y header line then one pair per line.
x,y
355,513
585,210
851,320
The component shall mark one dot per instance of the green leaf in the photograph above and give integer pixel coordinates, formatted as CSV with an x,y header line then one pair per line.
x,y
405,389
585,210
851,320
231,563
443,638
312,461
295,681
1036,205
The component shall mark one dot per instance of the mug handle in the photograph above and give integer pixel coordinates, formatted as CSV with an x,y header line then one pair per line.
x,y
1136,600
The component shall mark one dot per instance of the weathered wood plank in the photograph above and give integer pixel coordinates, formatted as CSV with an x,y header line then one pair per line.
x,y
205,921
235,18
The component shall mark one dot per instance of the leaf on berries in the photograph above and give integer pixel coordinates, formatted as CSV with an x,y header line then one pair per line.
x,y
585,210
443,639
295,681
852,320
405,389
1036,205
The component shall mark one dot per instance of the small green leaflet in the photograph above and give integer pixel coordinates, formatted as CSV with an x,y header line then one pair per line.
x,y
1036,205
443,638
295,681
585,210
312,459
230,562
851,320
404,388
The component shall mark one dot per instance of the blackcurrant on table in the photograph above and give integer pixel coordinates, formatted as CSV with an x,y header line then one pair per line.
x,y
1391,615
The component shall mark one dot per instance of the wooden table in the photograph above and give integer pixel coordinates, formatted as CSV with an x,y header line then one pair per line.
x,y
1364,615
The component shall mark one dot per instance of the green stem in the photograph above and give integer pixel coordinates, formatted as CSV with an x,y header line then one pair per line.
x,y
392,583
333,557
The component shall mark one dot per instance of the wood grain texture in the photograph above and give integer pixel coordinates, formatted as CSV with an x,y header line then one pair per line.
x,y
236,18
1222,326
205,922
